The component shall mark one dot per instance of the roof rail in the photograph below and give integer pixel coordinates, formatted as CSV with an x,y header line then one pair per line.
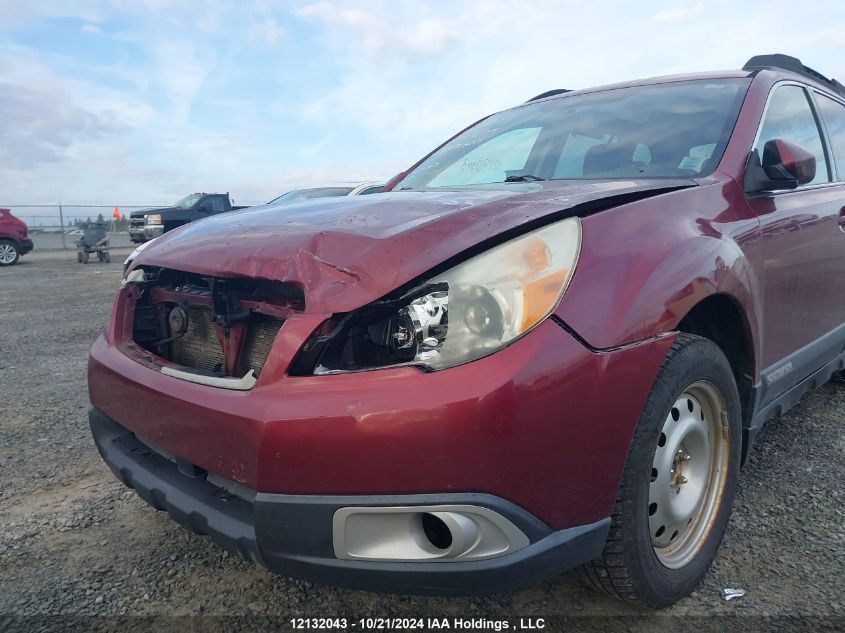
x,y
548,93
794,65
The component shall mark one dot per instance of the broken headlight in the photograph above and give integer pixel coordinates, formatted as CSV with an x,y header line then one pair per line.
x,y
463,314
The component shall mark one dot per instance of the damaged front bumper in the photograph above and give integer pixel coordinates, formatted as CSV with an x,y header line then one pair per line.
x,y
527,433
531,418
292,534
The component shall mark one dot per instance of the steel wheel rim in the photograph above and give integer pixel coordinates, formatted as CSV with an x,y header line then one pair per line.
x,y
7,254
688,474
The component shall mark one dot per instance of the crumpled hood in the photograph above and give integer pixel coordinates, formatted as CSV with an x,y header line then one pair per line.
x,y
346,252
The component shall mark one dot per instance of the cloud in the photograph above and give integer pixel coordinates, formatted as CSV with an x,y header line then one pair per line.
x,y
14,13
411,39
255,97
180,71
676,15
267,31
42,125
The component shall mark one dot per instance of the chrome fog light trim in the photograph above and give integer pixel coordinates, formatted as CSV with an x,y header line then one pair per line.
x,y
445,533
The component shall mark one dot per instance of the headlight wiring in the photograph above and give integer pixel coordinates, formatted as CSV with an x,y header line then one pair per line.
x,y
470,311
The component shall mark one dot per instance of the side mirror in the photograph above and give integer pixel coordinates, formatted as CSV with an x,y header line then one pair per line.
x,y
204,207
784,165
787,161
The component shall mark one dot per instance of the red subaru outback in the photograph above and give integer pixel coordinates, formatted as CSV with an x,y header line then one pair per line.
x,y
549,345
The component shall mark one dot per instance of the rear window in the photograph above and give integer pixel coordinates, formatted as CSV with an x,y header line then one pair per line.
x,y
316,192
671,130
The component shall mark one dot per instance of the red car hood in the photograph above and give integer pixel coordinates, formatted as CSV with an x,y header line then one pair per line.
x,y
346,252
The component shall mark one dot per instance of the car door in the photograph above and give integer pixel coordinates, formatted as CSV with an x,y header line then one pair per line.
x,y
803,250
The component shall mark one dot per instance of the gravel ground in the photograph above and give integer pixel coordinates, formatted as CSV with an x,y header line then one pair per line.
x,y
77,547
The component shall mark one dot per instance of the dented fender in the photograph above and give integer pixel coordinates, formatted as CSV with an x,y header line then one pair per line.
x,y
643,269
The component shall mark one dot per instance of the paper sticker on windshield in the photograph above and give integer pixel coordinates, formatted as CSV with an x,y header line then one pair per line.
x,y
697,156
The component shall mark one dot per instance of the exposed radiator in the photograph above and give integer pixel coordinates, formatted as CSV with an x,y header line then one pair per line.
x,y
174,319
259,338
199,348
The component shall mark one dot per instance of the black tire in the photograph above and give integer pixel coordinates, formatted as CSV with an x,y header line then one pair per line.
x,y
107,258
85,258
11,253
629,568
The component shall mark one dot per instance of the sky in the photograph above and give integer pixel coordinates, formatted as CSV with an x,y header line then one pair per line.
x,y
139,102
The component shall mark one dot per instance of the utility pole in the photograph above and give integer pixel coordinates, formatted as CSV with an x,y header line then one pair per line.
x,y
62,225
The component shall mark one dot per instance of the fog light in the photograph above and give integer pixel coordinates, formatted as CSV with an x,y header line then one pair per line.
x,y
436,531
424,533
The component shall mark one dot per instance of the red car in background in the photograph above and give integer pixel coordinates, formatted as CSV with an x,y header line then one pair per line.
x,y
549,344
14,238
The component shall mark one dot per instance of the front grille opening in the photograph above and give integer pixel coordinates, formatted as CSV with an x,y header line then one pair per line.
x,y
199,347
257,343
211,326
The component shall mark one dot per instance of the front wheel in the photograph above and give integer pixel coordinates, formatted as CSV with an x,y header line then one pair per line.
x,y
9,253
678,483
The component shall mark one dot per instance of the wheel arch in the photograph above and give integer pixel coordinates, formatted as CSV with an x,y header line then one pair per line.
x,y
721,318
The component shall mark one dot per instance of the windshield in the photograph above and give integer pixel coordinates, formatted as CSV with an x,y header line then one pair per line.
x,y
307,194
188,201
671,130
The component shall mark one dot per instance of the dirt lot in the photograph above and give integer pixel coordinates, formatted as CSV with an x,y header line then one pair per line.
x,y
74,543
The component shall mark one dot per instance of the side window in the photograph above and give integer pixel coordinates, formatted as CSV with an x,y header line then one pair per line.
x,y
833,114
217,205
791,119
370,190
490,161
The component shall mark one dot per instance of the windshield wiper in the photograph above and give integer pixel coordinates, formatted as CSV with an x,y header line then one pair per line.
x,y
523,178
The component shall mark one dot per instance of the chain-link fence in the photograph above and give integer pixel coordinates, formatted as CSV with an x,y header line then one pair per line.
x,y
55,226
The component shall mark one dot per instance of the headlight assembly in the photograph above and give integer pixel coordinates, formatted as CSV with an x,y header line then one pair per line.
x,y
465,313
152,219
